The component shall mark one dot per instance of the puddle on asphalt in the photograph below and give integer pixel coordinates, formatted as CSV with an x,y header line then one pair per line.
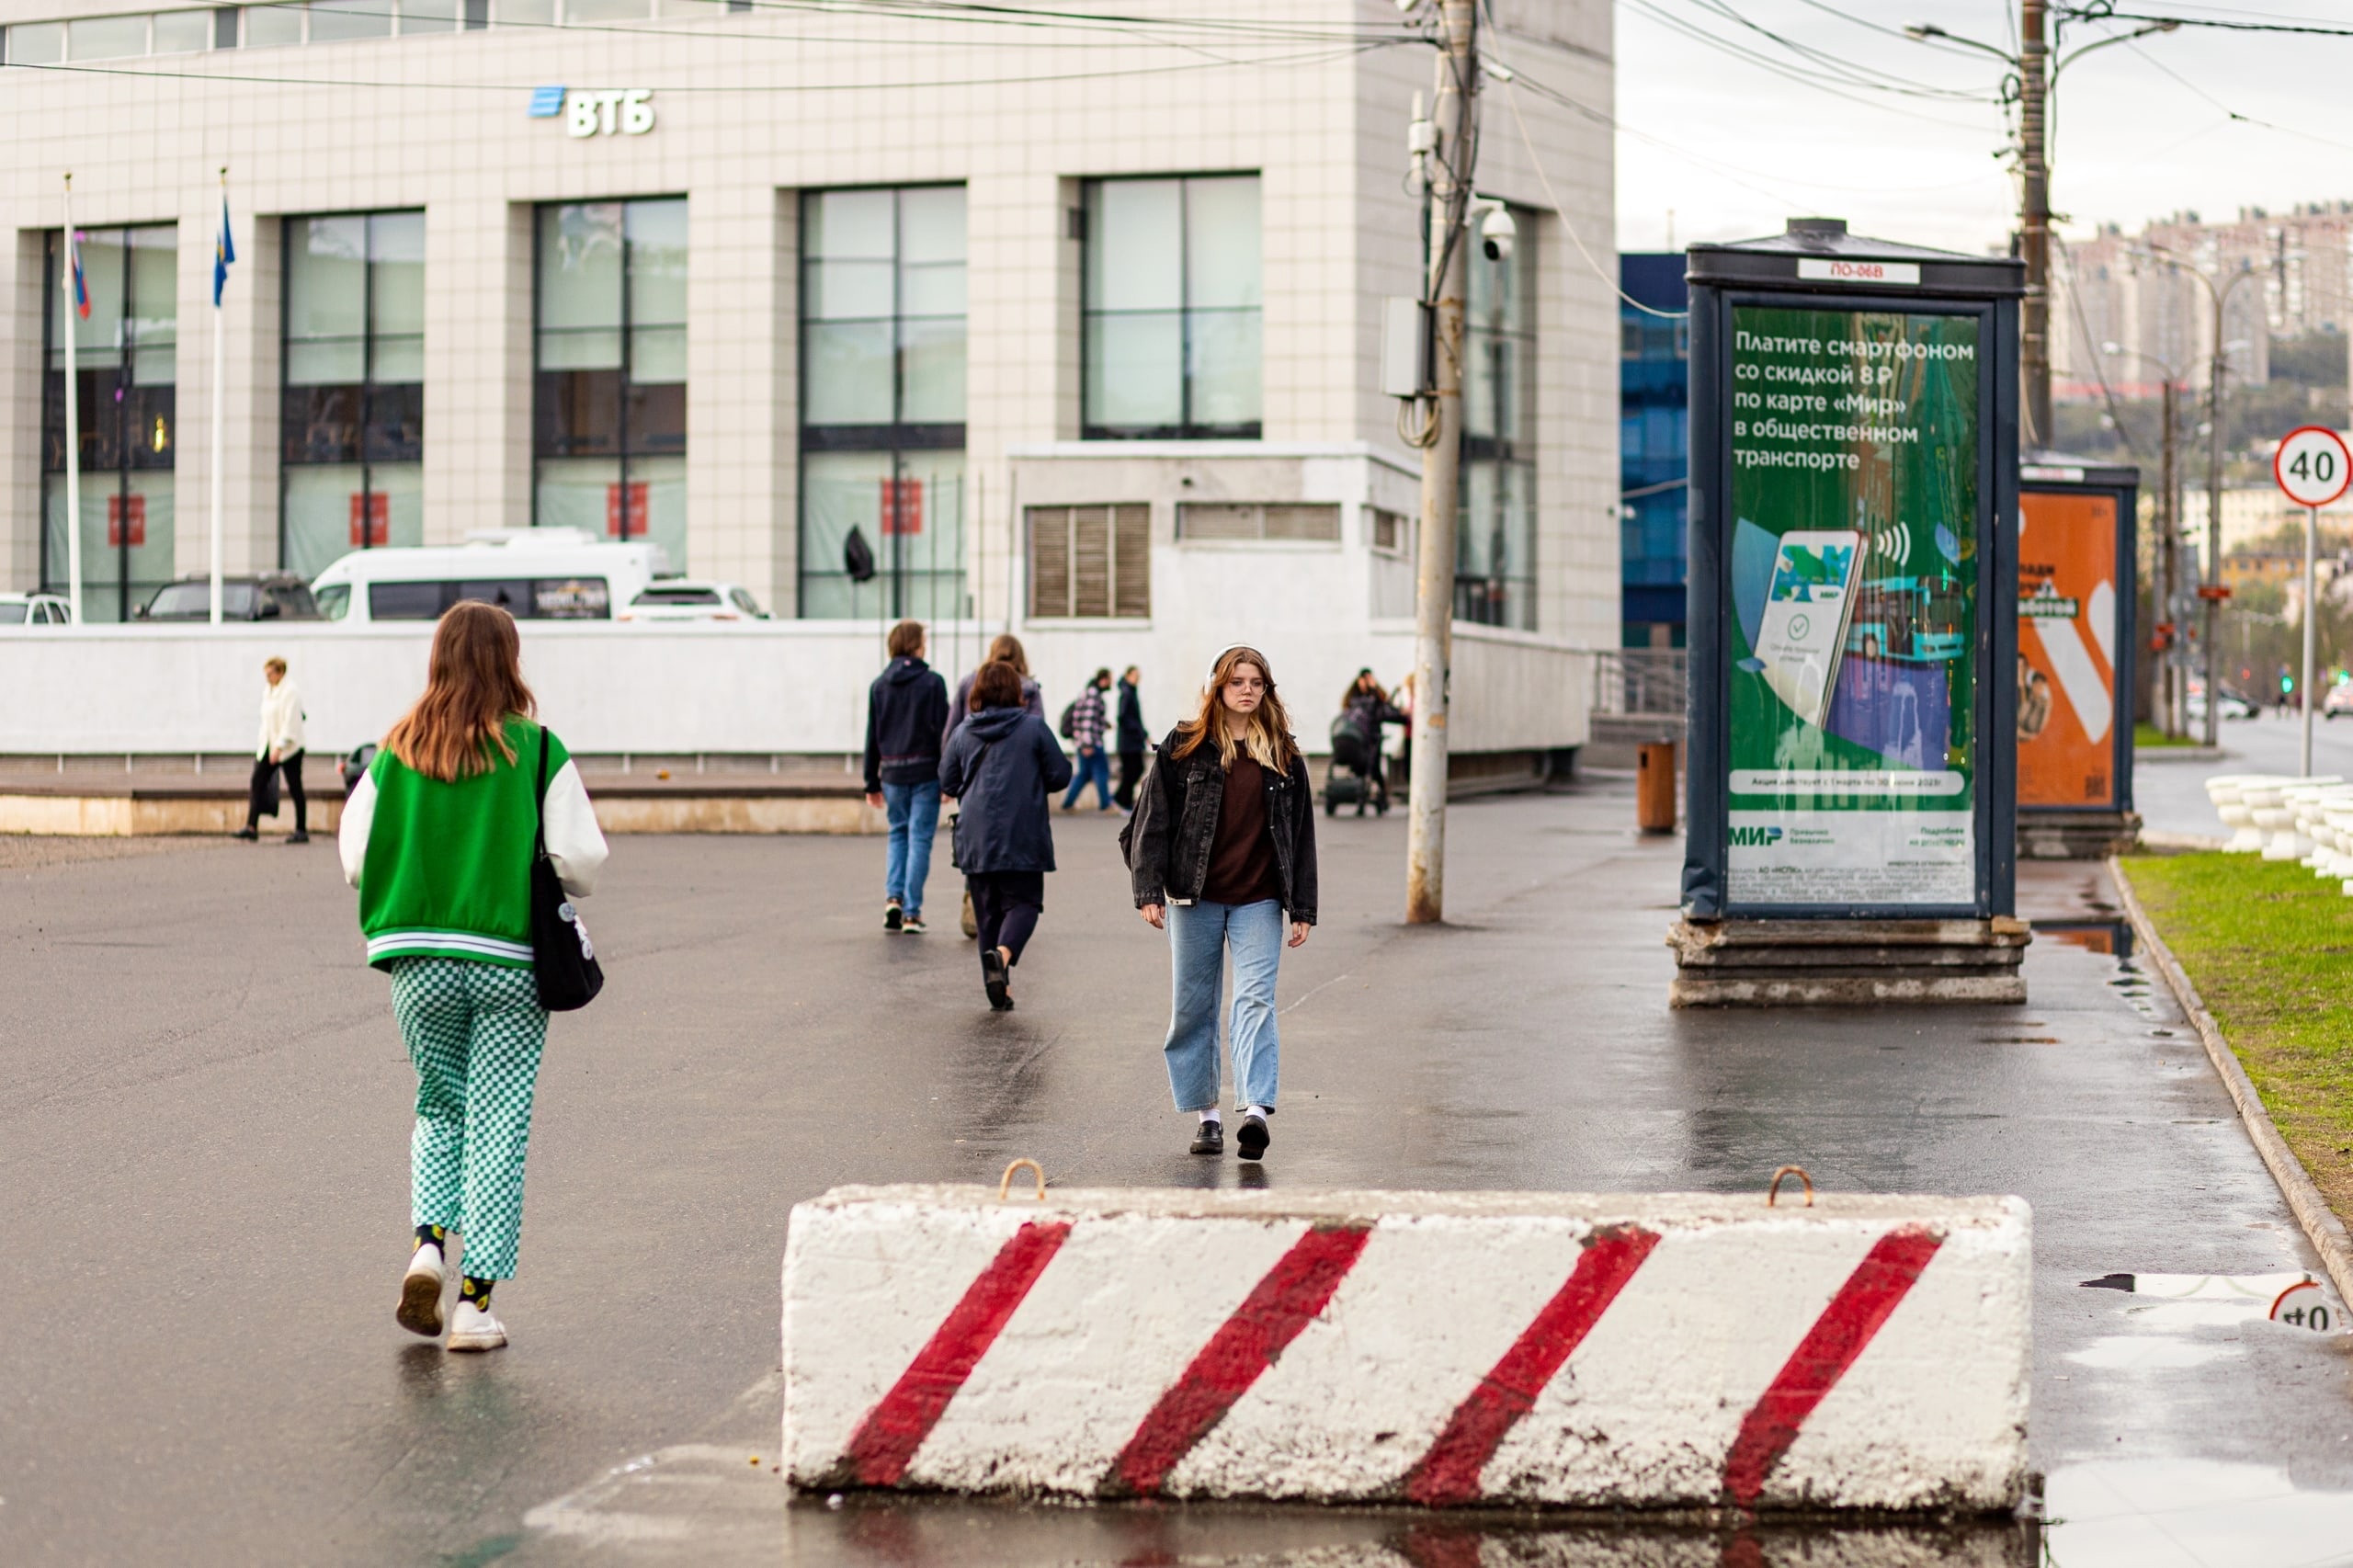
x,y
2113,937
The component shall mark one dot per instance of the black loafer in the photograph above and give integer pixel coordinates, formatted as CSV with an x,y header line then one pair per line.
x,y
1250,1139
1209,1138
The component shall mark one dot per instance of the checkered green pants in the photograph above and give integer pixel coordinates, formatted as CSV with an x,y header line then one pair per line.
x,y
474,1031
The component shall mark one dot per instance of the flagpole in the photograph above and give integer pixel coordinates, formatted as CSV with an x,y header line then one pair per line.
x,y
220,408
73,417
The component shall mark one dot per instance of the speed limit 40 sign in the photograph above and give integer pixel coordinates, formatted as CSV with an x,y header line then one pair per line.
x,y
2312,466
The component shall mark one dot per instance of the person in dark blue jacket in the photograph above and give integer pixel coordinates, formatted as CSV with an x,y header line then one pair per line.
x,y
906,710
1001,768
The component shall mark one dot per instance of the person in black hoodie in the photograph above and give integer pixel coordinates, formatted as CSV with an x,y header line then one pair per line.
x,y
1002,767
1133,738
906,708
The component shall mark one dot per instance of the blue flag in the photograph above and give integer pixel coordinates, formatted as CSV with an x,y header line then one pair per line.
x,y
225,251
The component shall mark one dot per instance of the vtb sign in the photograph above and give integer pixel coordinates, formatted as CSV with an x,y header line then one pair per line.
x,y
624,111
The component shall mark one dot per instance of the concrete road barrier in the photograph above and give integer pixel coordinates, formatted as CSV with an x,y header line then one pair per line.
x,y
1520,1348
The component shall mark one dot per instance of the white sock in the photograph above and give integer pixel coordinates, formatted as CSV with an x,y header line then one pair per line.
x,y
1211,1115
1260,1112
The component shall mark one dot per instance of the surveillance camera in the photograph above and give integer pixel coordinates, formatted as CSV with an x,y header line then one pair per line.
x,y
1497,232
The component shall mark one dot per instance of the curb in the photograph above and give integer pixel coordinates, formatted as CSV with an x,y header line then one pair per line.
x,y
2321,1227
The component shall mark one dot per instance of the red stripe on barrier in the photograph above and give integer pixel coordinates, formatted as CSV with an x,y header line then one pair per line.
x,y
1450,1472
1245,1346
887,1440
1882,1280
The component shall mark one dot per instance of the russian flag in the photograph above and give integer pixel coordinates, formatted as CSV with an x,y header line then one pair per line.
x,y
81,284
224,252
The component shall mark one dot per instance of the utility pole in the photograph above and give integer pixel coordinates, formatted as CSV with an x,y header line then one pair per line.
x,y
1455,119
2176,716
2211,620
2034,321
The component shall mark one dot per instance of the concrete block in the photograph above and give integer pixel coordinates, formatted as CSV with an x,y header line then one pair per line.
x,y
1553,1351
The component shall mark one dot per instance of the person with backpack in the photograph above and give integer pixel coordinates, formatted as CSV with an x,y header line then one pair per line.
x,y
1133,738
1002,768
440,838
1367,708
1221,850
1083,723
906,711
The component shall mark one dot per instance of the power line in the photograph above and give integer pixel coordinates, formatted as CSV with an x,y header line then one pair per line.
x,y
1311,57
2219,23
1750,57
1866,76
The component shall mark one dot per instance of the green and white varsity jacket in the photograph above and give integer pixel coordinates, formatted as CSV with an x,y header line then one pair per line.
x,y
444,870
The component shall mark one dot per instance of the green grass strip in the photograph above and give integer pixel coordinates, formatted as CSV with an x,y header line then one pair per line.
x,y
2270,947
2148,737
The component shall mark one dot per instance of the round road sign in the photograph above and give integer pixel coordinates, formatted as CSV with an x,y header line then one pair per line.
x,y
2312,466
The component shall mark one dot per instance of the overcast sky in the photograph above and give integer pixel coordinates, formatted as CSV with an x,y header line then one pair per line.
x,y
1734,148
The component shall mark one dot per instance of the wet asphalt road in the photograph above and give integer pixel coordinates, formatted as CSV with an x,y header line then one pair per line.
x,y
204,1113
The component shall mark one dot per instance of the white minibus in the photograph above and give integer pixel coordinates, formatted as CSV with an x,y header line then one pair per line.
x,y
532,574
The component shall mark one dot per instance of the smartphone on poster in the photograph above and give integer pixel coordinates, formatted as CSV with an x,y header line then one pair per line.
x,y
1804,630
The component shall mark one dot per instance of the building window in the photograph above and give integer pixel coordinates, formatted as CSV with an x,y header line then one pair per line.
x,y
1171,327
882,402
351,416
1090,561
1494,563
1254,521
609,399
1390,531
126,351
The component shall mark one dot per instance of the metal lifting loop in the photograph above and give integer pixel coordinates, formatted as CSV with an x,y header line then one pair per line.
x,y
1771,1192
1004,1187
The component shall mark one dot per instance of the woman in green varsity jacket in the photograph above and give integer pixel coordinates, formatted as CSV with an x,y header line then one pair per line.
x,y
438,839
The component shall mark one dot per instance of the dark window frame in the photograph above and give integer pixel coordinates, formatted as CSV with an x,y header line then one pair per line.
x,y
368,386
1184,429
901,435
1489,600
621,455
128,410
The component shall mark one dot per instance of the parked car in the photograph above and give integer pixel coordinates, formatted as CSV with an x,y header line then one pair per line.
x,y
276,596
682,599
532,574
2234,706
35,609
2339,699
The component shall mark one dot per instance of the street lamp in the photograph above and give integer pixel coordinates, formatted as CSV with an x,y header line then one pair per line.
x,y
2033,93
2212,593
2175,698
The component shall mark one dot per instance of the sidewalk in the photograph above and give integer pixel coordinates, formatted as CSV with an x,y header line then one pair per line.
x,y
760,1040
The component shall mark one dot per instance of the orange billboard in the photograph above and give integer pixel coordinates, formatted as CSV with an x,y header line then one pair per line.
x,y
2068,707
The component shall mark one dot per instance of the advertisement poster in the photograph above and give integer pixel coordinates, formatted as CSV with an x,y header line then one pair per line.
x,y
1852,686
2067,711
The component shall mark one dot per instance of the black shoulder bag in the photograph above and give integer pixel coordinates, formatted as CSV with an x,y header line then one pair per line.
x,y
566,965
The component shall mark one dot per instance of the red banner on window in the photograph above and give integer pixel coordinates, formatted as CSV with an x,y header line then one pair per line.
x,y
371,520
126,513
625,513
902,508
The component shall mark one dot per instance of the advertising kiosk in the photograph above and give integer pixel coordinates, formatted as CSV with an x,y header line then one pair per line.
x,y
2078,550
1853,627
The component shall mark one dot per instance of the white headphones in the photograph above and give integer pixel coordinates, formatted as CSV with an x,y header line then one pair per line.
x,y
1209,677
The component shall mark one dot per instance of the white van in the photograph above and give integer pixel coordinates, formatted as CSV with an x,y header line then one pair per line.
x,y
532,574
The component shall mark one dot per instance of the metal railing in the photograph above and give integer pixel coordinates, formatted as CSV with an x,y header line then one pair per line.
x,y
1640,681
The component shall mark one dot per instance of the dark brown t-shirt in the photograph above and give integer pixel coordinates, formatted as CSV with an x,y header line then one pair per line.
x,y
1242,856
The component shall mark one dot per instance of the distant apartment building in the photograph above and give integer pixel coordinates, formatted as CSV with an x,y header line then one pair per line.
x,y
1653,449
2286,275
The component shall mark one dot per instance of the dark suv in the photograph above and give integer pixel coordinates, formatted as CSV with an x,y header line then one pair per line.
x,y
278,596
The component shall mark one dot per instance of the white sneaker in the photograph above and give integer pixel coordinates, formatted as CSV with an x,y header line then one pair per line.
x,y
475,1329
420,1308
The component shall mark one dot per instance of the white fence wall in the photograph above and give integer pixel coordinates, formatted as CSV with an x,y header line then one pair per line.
x,y
780,687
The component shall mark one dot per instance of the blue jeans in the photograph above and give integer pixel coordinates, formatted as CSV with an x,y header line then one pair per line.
x,y
1198,937
1095,765
913,810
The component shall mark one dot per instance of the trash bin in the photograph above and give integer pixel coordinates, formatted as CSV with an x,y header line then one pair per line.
x,y
1655,786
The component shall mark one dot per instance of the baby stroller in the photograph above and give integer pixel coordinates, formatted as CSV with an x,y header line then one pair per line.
x,y
1354,771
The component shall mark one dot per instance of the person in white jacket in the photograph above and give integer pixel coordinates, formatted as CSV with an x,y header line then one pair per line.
x,y
281,749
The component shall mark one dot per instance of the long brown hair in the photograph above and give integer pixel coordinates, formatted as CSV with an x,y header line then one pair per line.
x,y
472,686
1007,649
1268,739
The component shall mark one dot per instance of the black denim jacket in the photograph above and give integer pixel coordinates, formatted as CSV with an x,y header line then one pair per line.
x,y
1169,835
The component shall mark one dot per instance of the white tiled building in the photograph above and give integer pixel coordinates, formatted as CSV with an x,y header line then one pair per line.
x,y
1077,326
